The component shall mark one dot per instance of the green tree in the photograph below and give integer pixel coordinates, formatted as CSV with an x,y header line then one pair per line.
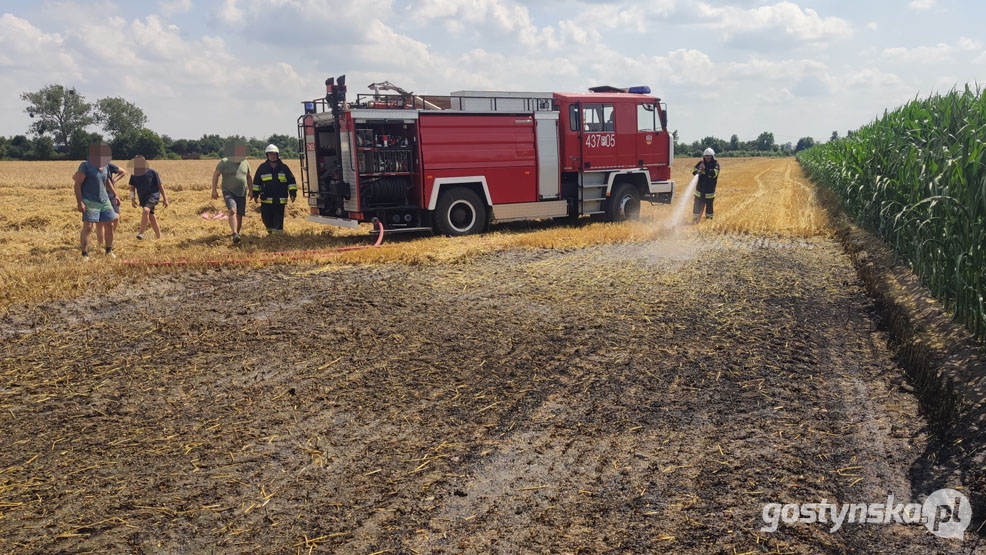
x,y
180,147
714,143
119,116
78,144
19,147
734,142
835,136
211,145
42,148
124,146
148,144
765,142
255,148
803,143
57,111
3,148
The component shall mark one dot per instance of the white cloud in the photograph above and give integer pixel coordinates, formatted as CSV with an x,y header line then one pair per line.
x,y
171,7
872,26
785,17
962,50
476,17
26,47
229,12
922,5
625,16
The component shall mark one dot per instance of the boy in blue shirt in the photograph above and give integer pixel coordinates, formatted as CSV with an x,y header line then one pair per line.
x,y
92,197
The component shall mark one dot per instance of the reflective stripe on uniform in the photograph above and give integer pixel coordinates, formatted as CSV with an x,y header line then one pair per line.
x,y
266,177
284,201
256,188
282,178
704,195
293,187
267,201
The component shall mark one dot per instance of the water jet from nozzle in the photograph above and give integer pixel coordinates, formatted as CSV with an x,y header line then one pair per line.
x,y
681,207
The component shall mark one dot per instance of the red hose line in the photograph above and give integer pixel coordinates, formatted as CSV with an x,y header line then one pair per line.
x,y
279,255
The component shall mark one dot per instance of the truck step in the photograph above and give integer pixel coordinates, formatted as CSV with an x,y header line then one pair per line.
x,y
590,207
594,179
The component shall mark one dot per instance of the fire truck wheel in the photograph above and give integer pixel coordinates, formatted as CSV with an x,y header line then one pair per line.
x,y
624,203
460,211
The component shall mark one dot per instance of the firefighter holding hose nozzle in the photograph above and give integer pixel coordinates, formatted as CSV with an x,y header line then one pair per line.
x,y
707,170
273,184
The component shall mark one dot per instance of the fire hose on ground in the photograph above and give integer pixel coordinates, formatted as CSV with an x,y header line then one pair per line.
x,y
269,257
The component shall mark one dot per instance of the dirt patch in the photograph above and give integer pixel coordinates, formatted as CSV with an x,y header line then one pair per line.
x,y
942,361
648,396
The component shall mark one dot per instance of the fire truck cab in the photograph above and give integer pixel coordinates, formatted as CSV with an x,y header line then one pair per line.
x,y
454,164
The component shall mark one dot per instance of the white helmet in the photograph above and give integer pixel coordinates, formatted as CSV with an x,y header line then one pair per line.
x,y
272,148
709,152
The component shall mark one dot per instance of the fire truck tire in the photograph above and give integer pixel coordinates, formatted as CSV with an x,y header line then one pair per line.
x,y
624,203
460,211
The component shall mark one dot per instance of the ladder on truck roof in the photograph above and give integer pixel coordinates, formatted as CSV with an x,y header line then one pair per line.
x,y
503,101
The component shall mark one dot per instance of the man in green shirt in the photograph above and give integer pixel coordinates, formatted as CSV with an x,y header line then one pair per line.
x,y
235,171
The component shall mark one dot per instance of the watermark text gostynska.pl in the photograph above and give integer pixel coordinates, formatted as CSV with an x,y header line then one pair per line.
x,y
945,513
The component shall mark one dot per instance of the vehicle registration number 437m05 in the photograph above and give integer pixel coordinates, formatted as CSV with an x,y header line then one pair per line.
x,y
600,140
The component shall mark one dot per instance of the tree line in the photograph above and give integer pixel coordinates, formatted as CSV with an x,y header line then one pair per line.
x,y
64,124
763,145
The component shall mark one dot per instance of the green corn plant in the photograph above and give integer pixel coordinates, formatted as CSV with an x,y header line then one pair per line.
x,y
915,176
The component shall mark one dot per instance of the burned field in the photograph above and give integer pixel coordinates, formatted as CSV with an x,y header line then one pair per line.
x,y
648,396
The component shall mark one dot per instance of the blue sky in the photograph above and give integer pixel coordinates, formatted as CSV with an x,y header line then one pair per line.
x,y
796,68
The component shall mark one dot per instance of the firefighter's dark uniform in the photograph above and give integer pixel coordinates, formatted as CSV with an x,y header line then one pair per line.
x,y
273,186
705,192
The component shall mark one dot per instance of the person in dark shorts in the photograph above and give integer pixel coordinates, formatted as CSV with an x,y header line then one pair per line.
x,y
92,198
235,171
147,189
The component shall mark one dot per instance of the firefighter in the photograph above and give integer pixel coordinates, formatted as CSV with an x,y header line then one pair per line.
x,y
272,184
707,170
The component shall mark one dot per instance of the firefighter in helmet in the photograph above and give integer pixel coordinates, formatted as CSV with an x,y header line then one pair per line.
x,y
273,184
707,170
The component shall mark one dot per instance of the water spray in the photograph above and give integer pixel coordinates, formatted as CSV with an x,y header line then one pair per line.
x,y
682,206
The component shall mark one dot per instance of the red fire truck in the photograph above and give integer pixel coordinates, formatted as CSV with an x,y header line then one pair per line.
x,y
456,163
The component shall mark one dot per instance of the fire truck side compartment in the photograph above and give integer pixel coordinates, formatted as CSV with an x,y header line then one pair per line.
x,y
498,147
549,172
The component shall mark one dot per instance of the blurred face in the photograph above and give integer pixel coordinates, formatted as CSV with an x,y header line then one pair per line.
x,y
139,165
272,156
100,155
707,158
236,153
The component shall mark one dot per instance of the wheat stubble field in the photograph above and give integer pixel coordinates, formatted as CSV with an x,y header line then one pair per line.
x,y
539,388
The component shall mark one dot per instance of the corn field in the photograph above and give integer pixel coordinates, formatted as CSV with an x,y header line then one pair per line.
x,y
915,176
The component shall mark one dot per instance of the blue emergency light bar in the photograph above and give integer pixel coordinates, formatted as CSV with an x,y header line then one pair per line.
x,y
642,89
309,107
